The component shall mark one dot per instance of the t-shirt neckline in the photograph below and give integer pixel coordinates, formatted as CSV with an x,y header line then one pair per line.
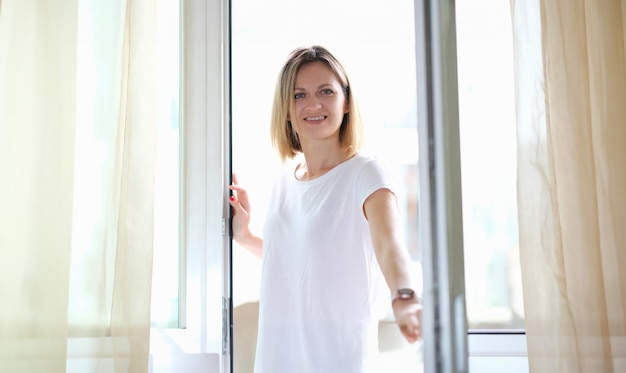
x,y
331,171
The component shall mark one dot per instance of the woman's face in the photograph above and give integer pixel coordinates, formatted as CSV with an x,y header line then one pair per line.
x,y
320,103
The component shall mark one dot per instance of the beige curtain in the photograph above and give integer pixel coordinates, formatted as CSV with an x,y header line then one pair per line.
x,y
571,102
76,194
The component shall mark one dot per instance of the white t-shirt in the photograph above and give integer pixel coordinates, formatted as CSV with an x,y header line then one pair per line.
x,y
321,282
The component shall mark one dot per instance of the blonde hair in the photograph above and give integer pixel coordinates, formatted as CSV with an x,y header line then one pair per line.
x,y
284,139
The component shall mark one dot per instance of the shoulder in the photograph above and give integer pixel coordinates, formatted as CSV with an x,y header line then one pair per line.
x,y
360,160
369,175
365,165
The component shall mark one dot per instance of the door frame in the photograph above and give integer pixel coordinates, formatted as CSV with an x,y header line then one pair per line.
x,y
444,317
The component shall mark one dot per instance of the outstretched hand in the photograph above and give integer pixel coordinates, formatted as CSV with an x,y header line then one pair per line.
x,y
409,319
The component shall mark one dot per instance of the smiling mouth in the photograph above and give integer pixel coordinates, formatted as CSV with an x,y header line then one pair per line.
x,y
314,119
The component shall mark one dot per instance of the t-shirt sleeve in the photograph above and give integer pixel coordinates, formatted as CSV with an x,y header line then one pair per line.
x,y
371,177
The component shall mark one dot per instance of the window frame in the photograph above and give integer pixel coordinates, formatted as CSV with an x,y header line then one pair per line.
x,y
486,350
201,343
497,351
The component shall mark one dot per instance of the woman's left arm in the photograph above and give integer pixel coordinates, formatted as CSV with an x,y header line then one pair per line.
x,y
385,223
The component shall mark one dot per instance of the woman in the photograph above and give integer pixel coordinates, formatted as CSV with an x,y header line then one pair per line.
x,y
332,231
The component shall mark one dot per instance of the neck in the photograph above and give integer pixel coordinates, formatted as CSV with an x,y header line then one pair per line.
x,y
319,161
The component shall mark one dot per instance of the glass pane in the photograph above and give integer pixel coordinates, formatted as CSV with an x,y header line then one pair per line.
x,y
374,40
488,164
165,277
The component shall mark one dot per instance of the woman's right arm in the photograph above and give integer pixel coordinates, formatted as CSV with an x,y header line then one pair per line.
x,y
241,220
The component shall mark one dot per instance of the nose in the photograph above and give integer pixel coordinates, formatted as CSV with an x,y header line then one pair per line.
x,y
314,103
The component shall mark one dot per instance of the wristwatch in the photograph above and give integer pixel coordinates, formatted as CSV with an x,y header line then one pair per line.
x,y
405,294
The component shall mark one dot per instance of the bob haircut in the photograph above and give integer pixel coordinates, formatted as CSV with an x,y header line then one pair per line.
x,y
284,139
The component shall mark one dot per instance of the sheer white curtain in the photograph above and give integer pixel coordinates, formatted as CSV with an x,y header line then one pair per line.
x,y
77,166
571,95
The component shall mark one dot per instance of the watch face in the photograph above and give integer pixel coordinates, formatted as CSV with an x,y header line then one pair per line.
x,y
405,293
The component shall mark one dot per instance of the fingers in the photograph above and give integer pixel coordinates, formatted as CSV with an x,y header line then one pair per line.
x,y
410,323
239,199
412,333
411,336
412,330
240,196
236,205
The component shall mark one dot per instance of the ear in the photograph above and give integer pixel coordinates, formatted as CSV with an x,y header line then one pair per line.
x,y
346,107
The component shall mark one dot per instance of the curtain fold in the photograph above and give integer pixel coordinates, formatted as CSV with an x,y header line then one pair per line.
x,y
77,158
571,90
37,125
130,311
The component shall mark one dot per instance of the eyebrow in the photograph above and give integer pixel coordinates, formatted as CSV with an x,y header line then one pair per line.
x,y
318,87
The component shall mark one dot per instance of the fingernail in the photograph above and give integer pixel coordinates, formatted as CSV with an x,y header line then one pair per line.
x,y
232,198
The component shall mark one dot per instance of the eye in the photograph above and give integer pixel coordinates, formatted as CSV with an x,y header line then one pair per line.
x,y
326,92
298,96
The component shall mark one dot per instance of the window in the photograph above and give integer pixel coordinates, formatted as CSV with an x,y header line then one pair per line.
x,y
366,37
488,164
165,276
191,335
488,169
